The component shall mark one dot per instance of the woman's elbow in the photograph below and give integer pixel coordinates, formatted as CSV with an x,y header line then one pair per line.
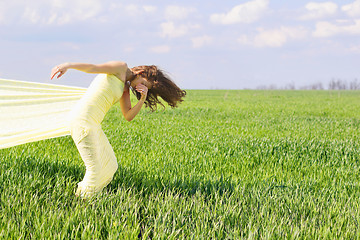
x,y
129,118
128,115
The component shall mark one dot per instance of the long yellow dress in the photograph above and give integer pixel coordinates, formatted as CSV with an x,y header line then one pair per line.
x,y
85,129
35,111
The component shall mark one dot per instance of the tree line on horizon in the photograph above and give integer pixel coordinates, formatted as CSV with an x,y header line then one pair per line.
x,y
334,84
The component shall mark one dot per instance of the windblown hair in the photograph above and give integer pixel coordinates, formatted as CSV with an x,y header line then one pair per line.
x,y
162,86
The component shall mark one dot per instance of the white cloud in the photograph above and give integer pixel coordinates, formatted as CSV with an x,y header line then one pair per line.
x,y
199,42
149,9
48,11
59,12
352,9
328,29
2,17
132,9
31,15
244,13
355,49
174,12
2,10
160,49
169,29
135,10
78,10
325,29
317,10
273,38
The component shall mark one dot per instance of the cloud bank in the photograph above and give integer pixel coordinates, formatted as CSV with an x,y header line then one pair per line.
x,y
244,13
321,10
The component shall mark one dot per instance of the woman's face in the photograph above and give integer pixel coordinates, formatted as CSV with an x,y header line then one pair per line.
x,y
140,80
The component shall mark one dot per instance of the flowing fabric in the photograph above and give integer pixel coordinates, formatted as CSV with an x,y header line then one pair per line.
x,y
34,111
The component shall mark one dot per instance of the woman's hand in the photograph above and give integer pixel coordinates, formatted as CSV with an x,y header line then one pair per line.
x,y
138,72
59,69
142,89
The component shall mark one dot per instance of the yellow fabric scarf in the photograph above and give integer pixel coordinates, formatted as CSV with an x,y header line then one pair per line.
x,y
32,111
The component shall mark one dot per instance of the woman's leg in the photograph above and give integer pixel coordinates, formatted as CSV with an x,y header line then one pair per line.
x,y
98,156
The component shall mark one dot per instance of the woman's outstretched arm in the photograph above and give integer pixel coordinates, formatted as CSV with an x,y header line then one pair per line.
x,y
113,67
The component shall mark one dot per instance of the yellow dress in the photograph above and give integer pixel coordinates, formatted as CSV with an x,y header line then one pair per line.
x,y
32,111
85,128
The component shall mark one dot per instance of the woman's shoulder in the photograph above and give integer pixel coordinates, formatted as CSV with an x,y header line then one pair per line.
x,y
118,66
121,69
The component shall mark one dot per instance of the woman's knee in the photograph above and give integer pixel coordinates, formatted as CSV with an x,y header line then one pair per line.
x,y
80,129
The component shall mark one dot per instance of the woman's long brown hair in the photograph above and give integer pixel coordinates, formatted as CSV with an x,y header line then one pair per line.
x,y
162,86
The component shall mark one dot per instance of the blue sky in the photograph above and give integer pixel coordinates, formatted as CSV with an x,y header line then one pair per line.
x,y
201,44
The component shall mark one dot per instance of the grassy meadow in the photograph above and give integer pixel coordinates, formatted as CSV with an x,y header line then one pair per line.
x,y
239,164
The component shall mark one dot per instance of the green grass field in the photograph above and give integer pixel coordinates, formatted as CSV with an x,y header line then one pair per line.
x,y
225,165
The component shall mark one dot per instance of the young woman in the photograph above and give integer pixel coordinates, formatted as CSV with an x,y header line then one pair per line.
x,y
112,86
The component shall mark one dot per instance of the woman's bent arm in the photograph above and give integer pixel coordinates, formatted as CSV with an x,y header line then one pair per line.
x,y
128,111
125,103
